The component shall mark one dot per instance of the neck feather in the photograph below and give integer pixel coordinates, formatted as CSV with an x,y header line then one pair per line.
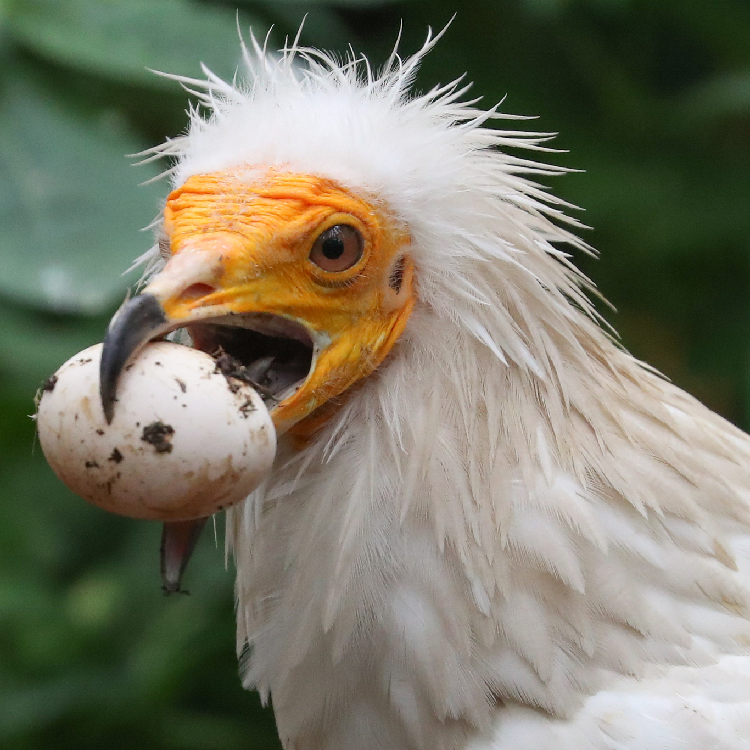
x,y
468,532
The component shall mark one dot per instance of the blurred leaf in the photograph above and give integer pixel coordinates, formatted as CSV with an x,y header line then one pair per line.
x,y
27,708
726,95
35,344
723,27
70,204
660,204
122,38
93,600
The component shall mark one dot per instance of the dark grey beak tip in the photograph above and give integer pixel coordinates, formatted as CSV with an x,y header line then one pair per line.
x,y
138,321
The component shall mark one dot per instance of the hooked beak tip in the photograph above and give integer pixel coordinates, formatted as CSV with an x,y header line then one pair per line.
x,y
137,321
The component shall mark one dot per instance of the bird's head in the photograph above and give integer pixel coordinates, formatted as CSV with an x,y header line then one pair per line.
x,y
282,243
304,283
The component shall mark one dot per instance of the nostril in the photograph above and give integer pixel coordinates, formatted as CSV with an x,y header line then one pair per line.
x,y
194,291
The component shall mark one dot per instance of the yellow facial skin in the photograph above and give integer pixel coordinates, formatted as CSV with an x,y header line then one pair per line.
x,y
240,242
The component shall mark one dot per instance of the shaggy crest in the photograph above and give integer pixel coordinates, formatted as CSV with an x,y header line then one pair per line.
x,y
424,157
513,534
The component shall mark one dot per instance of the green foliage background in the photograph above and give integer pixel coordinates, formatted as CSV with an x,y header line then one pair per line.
x,y
652,99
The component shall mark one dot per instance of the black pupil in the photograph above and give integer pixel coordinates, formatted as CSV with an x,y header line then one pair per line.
x,y
333,244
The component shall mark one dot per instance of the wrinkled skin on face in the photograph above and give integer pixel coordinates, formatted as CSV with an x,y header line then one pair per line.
x,y
238,248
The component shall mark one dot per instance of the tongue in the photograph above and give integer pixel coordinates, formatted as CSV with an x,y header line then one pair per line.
x,y
178,539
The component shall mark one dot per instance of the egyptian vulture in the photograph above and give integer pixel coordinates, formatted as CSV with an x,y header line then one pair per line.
x,y
488,527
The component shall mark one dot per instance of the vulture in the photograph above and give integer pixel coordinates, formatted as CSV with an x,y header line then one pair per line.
x,y
487,527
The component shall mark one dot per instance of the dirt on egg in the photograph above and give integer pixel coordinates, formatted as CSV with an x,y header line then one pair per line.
x,y
189,435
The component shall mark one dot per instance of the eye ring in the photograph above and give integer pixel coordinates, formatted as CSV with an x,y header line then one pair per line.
x,y
337,248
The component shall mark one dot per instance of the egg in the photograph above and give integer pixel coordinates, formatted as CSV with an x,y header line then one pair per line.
x,y
185,441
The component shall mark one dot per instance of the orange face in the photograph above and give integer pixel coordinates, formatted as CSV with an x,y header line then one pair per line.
x,y
275,247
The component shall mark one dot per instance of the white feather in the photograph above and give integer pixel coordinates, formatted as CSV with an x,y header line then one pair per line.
x,y
514,535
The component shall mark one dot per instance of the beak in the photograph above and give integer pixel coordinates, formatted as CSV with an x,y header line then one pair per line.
x,y
178,540
175,298
138,321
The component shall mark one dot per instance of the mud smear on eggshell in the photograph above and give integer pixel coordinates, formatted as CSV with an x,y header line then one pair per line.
x,y
159,435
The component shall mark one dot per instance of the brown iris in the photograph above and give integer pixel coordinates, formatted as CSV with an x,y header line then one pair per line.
x,y
337,248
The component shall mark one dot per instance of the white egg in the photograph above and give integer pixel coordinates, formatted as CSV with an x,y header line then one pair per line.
x,y
185,440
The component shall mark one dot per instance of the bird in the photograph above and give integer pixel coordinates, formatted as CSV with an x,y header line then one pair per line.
x,y
488,526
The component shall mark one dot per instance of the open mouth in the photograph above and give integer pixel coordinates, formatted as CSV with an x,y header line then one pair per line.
x,y
274,354
270,352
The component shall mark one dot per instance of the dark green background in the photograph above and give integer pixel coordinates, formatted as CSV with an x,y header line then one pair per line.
x,y
652,100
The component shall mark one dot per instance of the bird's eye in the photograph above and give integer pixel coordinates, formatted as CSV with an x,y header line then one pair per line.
x,y
337,248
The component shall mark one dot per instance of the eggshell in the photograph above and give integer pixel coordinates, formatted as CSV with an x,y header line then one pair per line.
x,y
185,440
